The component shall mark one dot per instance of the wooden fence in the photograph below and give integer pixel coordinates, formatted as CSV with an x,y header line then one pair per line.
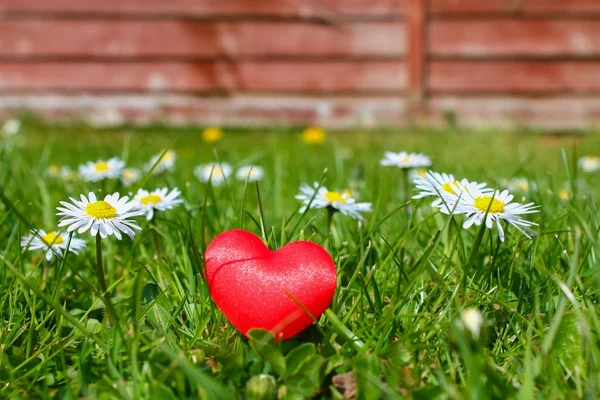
x,y
331,62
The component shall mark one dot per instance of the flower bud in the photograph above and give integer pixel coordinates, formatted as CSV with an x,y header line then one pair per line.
x,y
261,387
472,320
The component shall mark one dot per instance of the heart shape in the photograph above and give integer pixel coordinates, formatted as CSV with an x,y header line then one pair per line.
x,y
258,288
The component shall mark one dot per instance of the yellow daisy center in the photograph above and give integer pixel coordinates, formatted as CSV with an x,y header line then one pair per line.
x,y
313,135
217,172
564,194
212,134
128,174
150,199
483,203
421,173
52,238
168,156
101,210
249,172
448,187
101,166
53,169
335,196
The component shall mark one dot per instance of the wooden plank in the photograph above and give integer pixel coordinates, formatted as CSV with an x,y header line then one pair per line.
x,y
342,76
208,8
514,76
539,7
555,112
109,109
152,38
510,37
416,13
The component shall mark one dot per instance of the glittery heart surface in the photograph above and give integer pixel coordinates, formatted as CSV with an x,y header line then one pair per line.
x,y
258,288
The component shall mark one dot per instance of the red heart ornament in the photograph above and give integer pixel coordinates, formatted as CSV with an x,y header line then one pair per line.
x,y
254,286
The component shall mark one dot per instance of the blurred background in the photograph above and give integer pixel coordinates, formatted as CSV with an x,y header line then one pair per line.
x,y
319,62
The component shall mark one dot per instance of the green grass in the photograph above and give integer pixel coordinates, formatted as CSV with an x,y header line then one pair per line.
x,y
402,282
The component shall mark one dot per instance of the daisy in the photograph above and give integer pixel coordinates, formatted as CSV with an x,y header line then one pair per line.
x,y
166,163
159,200
99,170
337,201
105,217
564,194
215,172
51,242
313,135
212,134
11,127
518,184
405,160
415,174
444,187
475,203
589,163
130,176
66,173
250,173
53,170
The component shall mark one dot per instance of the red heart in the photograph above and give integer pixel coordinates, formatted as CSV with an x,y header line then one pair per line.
x,y
254,286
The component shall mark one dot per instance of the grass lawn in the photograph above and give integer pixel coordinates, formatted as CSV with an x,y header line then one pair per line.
x,y
396,327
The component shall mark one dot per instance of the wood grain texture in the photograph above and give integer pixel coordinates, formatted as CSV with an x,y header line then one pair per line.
x,y
532,7
189,39
416,14
204,76
208,8
514,76
514,38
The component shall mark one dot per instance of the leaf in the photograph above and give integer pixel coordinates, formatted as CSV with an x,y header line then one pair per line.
x,y
157,306
197,378
429,393
263,343
315,369
295,358
567,345
158,310
299,385
161,392
366,370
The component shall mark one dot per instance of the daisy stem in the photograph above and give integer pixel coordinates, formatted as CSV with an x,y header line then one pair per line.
x,y
100,271
155,237
330,212
405,194
45,274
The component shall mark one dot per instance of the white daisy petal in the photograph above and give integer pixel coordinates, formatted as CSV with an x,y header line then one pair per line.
x,y
216,173
315,197
157,200
478,204
166,162
100,170
53,243
405,160
589,163
250,173
99,216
